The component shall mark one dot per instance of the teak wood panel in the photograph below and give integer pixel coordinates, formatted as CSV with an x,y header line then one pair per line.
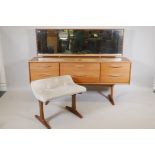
x,y
115,72
43,70
81,72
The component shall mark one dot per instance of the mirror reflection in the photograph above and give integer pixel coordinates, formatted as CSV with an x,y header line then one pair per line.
x,y
69,41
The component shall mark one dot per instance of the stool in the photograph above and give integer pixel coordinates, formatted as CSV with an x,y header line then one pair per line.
x,y
49,88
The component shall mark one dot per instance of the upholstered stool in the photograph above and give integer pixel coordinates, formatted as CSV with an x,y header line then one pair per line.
x,y
46,89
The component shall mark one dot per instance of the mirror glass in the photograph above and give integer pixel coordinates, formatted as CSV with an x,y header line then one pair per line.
x,y
72,41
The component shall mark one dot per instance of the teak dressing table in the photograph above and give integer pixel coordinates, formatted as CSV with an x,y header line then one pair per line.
x,y
85,70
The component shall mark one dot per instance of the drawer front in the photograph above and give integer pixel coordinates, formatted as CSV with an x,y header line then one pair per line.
x,y
43,70
115,72
81,72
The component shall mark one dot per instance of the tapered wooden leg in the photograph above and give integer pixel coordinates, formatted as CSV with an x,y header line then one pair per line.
x,y
110,96
41,117
73,108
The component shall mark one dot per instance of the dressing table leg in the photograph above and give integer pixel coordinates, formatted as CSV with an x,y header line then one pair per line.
x,y
41,117
47,103
73,108
110,96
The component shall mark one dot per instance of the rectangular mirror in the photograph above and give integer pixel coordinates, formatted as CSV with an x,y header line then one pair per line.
x,y
80,41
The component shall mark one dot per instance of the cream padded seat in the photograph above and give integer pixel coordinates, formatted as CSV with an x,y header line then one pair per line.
x,y
46,89
49,88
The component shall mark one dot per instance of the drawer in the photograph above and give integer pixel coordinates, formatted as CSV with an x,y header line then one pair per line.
x,y
43,70
115,78
81,72
115,72
121,67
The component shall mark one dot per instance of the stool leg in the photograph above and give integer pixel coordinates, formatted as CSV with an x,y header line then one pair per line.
x,y
41,117
73,108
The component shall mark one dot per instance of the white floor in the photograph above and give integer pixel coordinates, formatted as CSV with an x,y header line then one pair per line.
x,y
135,108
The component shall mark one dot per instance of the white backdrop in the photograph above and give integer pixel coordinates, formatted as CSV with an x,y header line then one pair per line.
x,y
19,45
2,71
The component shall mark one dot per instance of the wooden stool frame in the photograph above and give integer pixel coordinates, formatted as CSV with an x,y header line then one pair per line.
x,y
72,109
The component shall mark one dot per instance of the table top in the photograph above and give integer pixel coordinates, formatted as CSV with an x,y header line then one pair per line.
x,y
79,59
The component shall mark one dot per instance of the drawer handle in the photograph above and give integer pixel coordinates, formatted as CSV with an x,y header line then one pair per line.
x,y
114,75
38,67
79,65
79,75
46,66
115,66
44,75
